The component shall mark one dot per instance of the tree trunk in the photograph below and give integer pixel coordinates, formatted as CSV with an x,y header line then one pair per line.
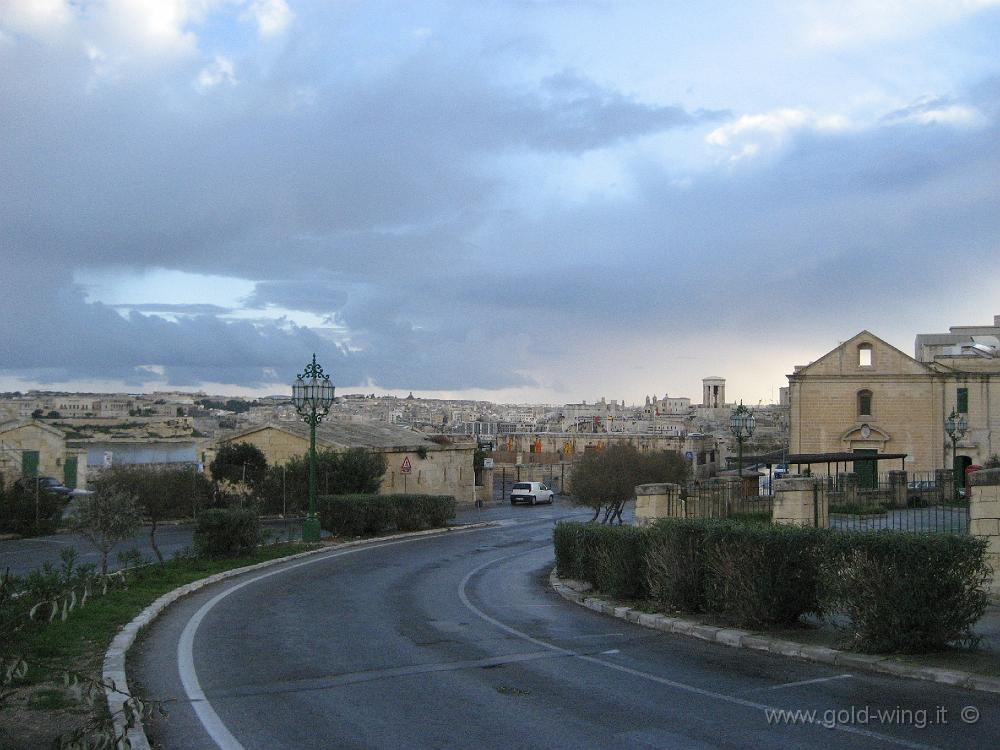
x,y
152,543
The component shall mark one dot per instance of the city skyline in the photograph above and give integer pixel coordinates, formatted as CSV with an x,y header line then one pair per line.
x,y
531,202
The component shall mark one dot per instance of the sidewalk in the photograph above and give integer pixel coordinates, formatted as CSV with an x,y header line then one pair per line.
x,y
974,670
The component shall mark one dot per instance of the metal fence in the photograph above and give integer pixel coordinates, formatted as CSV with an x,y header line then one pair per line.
x,y
555,476
905,502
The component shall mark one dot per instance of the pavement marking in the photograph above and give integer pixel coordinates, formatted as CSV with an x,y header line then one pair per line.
x,y
210,720
711,694
805,682
611,651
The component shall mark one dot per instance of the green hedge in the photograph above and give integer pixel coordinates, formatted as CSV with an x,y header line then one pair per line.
x,y
905,592
360,515
675,564
761,575
227,532
902,591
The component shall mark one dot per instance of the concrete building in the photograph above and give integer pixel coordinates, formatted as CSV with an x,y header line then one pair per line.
x,y
436,468
866,396
30,448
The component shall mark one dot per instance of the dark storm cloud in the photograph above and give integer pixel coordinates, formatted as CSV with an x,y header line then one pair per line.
x,y
379,203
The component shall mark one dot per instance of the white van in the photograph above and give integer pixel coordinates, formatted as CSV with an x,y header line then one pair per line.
x,y
531,493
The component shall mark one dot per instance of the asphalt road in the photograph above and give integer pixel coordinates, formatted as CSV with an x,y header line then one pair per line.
x,y
21,556
457,641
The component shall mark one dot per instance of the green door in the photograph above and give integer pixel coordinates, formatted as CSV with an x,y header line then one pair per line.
x,y
866,470
69,472
29,464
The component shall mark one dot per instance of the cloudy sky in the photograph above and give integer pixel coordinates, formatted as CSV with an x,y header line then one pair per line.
x,y
523,200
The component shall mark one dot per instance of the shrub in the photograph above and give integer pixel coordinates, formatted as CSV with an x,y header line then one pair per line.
x,y
610,558
357,515
760,575
29,510
227,532
906,592
675,564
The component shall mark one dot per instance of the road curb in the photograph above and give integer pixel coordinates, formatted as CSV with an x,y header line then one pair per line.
x,y
578,593
116,681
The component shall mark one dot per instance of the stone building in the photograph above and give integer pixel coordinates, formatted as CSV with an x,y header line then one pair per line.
x,y
436,468
866,396
30,448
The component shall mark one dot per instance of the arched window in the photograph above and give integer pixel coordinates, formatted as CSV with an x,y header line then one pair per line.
x,y
864,403
865,355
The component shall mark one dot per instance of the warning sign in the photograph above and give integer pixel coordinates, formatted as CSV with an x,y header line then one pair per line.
x,y
406,468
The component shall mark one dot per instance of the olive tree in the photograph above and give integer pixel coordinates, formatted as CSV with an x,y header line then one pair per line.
x,y
108,516
606,480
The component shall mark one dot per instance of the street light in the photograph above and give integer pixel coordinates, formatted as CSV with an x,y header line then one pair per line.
x,y
955,425
741,424
312,395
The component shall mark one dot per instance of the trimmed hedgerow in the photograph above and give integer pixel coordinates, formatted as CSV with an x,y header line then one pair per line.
x,y
359,515
610,558
902,592
905,592
227,532
675,564
761,575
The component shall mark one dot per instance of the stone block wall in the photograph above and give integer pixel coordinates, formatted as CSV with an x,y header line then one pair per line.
x,y
984,518
658,500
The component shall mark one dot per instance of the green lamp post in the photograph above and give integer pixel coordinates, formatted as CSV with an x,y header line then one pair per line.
x,y
312,395
741,424
955,425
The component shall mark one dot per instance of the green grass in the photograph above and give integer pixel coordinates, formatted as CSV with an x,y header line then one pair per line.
x,y
87,632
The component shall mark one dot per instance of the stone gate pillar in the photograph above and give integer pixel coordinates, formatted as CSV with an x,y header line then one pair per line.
x,y
799,501
848,482
657,500
984,519
897,488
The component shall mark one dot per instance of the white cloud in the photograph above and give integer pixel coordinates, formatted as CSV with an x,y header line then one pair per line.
x,y
840,24
746,135
34,17
222,70
272,16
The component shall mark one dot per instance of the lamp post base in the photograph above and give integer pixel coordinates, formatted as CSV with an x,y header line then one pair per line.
x,y
310,529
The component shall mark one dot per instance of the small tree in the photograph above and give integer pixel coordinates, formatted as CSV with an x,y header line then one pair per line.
x,y
606,480
351,472
163,492
239,462
108,516
29,509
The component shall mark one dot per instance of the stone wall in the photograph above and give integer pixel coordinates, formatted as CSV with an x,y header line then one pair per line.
x,y
984,518
797,503
657,500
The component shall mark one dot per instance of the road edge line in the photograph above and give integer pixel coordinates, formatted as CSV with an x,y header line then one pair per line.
x,y
113,673
735,638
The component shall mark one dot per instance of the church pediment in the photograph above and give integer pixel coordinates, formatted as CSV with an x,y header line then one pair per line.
x,y
865,431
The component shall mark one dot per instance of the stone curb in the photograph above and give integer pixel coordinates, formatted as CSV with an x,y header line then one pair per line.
x,y
115,679
578,593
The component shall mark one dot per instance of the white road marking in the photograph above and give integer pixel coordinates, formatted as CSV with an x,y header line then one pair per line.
x,y
711,694
210,720
611,651
808,682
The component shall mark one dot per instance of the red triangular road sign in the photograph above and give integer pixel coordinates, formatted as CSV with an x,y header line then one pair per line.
x,y
406,465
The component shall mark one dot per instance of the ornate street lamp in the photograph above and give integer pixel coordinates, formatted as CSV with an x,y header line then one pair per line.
x,y
312,395
955,425
741,424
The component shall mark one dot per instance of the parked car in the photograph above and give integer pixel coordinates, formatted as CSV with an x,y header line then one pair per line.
x,y
53,485
531,493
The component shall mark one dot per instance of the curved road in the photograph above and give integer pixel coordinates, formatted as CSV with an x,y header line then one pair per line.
x,y
457,641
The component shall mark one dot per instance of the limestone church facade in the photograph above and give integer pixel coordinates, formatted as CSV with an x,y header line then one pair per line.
x,y
866,396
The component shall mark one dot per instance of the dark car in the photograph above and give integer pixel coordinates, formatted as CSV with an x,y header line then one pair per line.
x,y
53,485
